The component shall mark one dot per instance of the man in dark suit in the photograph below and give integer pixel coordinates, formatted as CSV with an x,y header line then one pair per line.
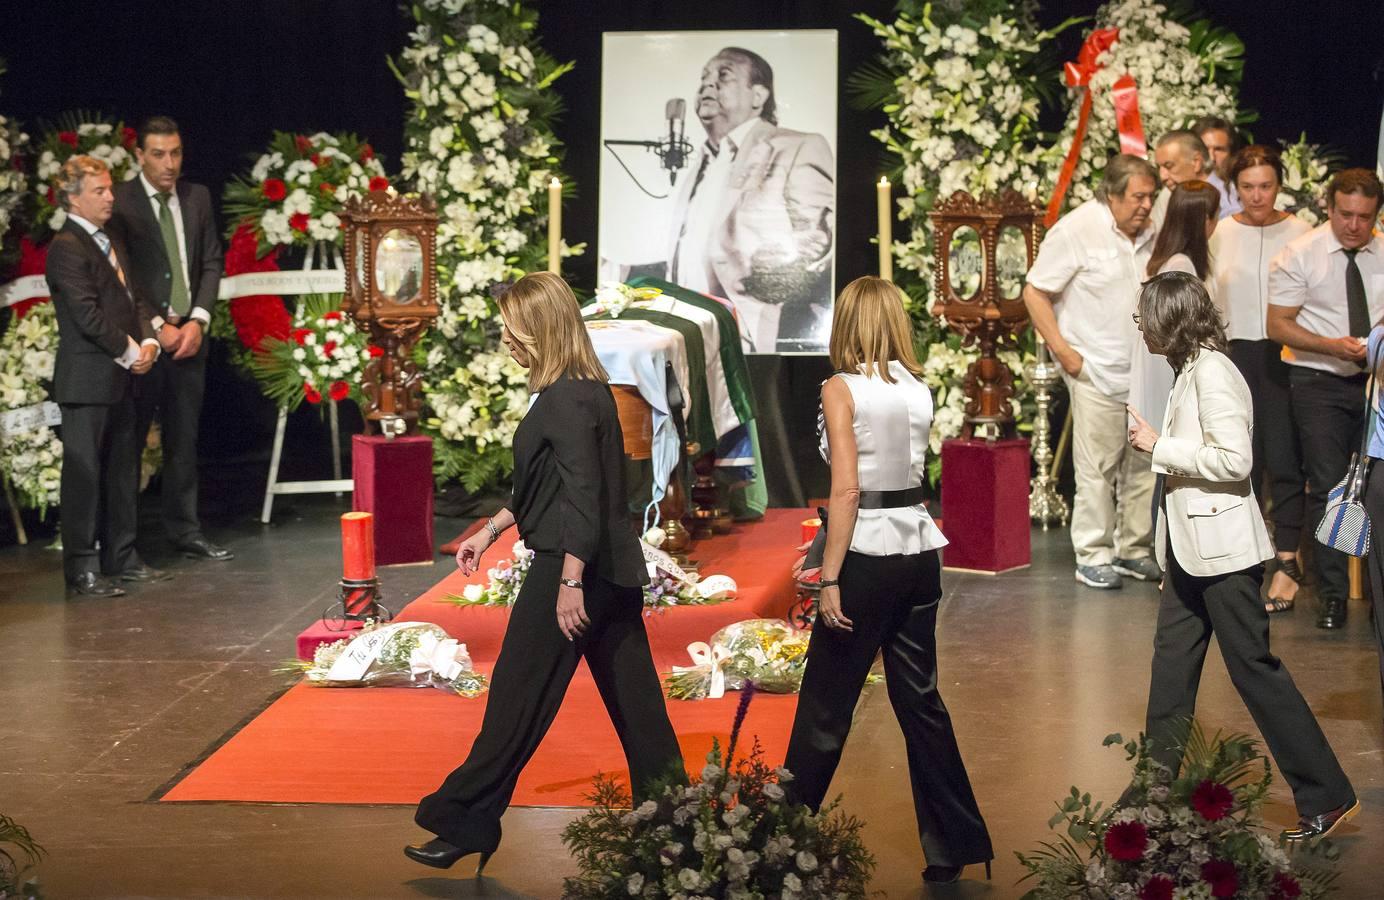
x,y
104,341
175,265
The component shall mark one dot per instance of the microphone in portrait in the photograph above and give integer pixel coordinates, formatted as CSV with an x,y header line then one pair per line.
x,y
675,152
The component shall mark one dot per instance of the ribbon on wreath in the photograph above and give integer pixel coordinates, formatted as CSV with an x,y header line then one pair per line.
x,y
446,658
1125,95
710,660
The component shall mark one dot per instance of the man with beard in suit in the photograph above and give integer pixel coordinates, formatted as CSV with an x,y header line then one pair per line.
x,y
104,341
175,263
755,221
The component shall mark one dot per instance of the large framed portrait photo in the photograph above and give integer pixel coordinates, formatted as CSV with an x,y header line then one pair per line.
x,y
718,173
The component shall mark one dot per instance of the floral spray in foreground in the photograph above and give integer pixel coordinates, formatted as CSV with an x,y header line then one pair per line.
x,y
734,832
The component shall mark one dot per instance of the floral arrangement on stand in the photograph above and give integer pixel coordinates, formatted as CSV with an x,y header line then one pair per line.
x,y
78,134
1182,71
769,653
1197,835
294,193
321,358
19,852
31,457
479,138
1306,170
243,326
14,144
731,833
400,654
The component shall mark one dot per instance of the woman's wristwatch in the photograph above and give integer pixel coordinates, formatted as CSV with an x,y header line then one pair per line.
x,y
571,583
828,582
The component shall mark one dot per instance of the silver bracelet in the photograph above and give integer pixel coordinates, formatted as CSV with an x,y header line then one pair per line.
x,y
571,583
494,532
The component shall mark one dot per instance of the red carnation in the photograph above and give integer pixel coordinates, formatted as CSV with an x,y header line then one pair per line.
x,y
316,160
379,183
258,317
333,316
312,393
326,188
69,138
1125,841
51,197
1285,887
1159,887
366,152
1212,800
375,352
339,390
300,335
328,349
274,189
1220,874
302,143
298,222
128,137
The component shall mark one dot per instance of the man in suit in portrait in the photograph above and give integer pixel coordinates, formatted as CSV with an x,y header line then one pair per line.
x,y
755,221
105,340
175,264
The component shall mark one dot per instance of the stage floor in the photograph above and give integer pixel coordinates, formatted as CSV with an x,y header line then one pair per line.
x,y
105,702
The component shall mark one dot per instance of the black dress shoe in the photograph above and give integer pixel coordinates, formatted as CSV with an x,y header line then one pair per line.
x,y
1309,827
948,874
441,855
89,584
143,574
200,548
1332,614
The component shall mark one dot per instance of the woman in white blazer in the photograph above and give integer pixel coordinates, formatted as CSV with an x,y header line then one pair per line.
x,y
1212,543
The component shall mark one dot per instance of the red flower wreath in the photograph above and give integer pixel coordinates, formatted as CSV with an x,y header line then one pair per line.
x,y
33,260
262,315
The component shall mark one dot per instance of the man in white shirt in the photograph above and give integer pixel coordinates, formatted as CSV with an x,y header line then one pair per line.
x,y
1218,135
755,221
1182,157
1081,295
1326,290
105,339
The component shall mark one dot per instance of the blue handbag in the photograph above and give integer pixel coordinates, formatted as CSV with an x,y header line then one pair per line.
x,y
1345,526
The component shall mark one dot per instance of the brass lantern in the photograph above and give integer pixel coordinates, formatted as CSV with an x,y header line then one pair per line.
x,y
391,291
984,247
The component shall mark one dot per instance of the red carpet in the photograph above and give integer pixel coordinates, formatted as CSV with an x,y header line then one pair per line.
x,y
393,745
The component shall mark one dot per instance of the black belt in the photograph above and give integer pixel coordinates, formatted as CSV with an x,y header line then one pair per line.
x,y
892,499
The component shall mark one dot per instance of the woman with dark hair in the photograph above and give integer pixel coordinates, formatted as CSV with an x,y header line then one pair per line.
x,y
1242,247
581,597
1211,542
1181,246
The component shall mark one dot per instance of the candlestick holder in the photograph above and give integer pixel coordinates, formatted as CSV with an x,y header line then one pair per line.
x,y
358,601
1045,505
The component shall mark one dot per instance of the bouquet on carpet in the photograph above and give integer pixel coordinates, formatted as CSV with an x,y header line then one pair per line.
x,y
732,833
768,653
668,584
400,654
1197,835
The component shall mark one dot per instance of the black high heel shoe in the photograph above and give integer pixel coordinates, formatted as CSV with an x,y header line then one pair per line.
x,y
948,874
441,855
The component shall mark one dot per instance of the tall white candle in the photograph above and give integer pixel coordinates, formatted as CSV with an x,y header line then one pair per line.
x,y
885,202
555,227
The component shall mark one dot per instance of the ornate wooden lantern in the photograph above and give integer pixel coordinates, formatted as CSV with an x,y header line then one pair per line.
x,y
984,246
391,290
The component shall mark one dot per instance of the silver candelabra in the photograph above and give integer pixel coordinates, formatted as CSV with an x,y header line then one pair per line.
x,y
1045,504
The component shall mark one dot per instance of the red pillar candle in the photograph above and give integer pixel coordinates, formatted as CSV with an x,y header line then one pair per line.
x,y
357,546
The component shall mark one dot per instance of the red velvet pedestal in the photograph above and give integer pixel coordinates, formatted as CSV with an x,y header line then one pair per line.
x,y
394,482
985,503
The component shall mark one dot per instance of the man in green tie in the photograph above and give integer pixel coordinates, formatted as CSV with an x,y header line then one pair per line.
x,y
175,262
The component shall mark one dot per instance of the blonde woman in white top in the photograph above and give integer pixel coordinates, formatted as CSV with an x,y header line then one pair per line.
x,y
1240,251
881,580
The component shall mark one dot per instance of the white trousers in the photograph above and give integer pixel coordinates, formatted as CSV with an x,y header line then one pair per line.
x,y
1113,513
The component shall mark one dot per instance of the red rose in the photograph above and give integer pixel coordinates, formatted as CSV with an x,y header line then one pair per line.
x,y
366,152
1159,887
333,316
328,349
274,189
69,138
316,160
1125,841
326,188
298,222
375,352
1212,801
312,393
1220,874
300,336
379,183
302,143
339,390
128,137
1285,887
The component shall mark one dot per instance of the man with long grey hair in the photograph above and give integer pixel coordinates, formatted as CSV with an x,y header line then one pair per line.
x,y
1081,295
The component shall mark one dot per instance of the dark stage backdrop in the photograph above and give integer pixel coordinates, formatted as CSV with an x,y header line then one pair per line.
x,y
231,72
